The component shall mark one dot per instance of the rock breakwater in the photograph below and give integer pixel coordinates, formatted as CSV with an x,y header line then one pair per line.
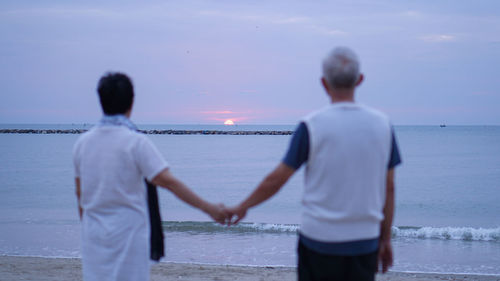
x,y
149,132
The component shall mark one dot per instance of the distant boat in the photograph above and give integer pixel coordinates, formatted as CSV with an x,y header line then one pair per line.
x,y
442,125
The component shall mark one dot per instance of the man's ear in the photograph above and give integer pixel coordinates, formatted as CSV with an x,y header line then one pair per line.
x,y
325,84
360,79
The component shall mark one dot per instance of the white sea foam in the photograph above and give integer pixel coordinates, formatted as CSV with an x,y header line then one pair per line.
x,y
448,233
443,233
273,227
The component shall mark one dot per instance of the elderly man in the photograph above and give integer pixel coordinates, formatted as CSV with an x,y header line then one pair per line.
x,y
350,153
111,161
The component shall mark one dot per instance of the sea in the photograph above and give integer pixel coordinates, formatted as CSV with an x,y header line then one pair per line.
x,y
447,217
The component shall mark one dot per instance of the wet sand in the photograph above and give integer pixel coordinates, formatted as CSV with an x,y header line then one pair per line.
x,y
45,269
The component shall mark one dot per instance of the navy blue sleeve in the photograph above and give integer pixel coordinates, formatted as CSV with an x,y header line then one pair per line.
x,y
298,151
395,157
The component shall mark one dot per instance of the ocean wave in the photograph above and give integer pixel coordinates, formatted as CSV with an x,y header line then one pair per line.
x,y
241,228
246,228
448,233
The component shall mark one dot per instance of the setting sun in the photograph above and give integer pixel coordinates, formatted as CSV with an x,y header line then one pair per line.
x,y
228,122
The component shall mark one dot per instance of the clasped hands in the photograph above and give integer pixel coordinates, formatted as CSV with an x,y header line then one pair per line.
x,y
226,215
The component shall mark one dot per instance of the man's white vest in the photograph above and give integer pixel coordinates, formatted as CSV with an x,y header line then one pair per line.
x,y
345,177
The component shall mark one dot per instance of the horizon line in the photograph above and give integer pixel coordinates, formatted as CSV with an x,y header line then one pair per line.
x,y
236,124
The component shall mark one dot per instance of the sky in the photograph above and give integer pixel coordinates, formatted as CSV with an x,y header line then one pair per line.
x,y
255,62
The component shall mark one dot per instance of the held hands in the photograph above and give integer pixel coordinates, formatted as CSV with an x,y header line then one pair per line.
x,y
265,190
225,215
218,213
238,212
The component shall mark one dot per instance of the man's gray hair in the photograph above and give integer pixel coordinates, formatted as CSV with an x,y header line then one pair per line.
x,y
341,68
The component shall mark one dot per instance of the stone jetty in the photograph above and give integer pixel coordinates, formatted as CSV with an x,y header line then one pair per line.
x,y
149,132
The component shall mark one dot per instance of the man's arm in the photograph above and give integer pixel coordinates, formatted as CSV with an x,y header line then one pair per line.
x,y
167,180
266,189
385,248
78,195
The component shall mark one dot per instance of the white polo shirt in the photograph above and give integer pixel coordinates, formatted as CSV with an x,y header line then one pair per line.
x,y
112,162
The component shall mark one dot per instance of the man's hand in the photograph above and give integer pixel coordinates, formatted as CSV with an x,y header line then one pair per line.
x,y
218,213
385,258
266,189
237,211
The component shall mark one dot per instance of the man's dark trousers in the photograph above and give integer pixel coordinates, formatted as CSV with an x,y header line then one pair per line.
x,y
314,266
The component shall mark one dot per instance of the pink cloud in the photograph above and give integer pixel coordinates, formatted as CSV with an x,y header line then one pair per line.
x,y
218,112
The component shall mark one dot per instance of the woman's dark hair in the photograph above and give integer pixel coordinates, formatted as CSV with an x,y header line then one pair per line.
x,y
116,93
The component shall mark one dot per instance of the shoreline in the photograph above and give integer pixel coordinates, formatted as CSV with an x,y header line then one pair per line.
x,y
48,268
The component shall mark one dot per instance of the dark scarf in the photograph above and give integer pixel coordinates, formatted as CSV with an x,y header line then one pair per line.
x,y
156,239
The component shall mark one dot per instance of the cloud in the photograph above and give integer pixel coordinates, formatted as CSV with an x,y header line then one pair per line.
x,y
305,22
327,31
412,14
234,119
219,112
291,20
269,19
438,38
62,12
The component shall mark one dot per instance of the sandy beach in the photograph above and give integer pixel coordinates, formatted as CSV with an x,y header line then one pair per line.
x,y
45,269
